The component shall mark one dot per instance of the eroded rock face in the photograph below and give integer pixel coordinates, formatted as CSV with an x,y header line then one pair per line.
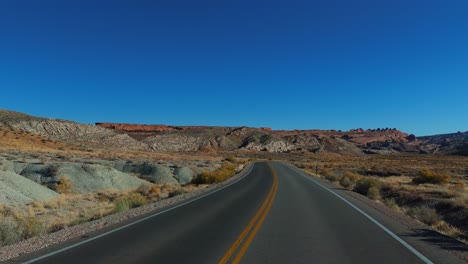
x,y
71,132
270,146
34,172
94,177
176,142
155,173
16,189
66,131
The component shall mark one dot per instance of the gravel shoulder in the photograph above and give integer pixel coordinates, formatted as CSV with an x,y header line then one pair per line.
x,y
38,246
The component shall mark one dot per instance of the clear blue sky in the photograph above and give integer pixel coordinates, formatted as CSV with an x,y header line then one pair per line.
x,y
281,64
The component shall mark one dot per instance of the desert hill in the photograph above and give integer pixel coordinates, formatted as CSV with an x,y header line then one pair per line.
x,y
167,138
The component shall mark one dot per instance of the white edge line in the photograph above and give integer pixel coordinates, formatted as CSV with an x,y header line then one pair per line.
x,y
397,238
136,222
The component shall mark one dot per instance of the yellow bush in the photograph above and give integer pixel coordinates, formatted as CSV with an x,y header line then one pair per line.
x,y
64,185
428,176
354,177
137,200
227,170
128,202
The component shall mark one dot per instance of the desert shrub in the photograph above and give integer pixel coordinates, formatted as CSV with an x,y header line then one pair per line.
x,y
368,187
300,165
64,185
424,214
354,177
177,192
227,170
346,182
121,204
231,159
447,229
329,175
349,179
150,191
137,200
129,201
428,176
326,172
373,193
458,186
332,178
9,232
391,203
31,227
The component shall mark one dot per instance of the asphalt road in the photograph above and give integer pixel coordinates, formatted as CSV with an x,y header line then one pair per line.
x,y
274,214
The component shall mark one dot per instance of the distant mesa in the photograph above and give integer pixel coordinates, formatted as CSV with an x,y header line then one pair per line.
x,y
161,128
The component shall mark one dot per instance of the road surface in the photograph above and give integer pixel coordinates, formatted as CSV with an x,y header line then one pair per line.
x,y
275,214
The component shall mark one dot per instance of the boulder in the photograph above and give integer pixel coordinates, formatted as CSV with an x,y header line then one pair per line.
x,y
184,175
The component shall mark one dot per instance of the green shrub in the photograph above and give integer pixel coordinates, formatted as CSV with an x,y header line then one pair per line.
x,y
426,215
368,187
428,176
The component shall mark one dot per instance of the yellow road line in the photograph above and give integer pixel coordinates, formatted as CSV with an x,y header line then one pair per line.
x,y
260,215
252,235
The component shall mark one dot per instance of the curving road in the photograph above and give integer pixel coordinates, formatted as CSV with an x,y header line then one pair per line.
x,y
274,214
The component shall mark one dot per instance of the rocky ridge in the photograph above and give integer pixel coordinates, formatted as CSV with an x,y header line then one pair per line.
x,y
166,138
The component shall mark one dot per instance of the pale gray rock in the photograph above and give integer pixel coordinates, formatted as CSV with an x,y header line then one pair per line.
x,y
183,175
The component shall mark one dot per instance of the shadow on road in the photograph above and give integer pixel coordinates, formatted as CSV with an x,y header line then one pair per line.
x,y
439,240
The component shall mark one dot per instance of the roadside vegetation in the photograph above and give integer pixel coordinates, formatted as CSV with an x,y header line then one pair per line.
x,y
431,189
227,170
68,209
20,222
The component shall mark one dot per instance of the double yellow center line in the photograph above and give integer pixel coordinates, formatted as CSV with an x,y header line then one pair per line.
x,y
252,228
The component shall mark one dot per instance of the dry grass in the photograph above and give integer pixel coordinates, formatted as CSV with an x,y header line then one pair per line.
x,y
428,176
22,222
17,140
